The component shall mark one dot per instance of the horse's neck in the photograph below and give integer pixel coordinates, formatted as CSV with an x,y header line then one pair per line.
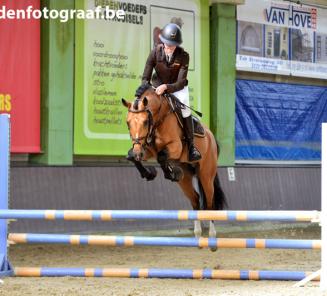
x,y
168,127
162,110
163,114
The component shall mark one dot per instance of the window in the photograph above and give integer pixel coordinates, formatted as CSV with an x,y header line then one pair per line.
x,y
276,43
318,47
250,40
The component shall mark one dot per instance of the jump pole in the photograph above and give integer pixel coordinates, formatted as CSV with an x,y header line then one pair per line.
x,y
129,241
162,273
109,215
5,267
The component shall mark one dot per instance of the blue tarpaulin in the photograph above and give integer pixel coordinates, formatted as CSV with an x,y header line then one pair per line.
x,y
279,121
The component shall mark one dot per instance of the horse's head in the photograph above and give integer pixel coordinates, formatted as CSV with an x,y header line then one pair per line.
x,y
139,121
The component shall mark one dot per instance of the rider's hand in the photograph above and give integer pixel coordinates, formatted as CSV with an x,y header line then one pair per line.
x,y
161,89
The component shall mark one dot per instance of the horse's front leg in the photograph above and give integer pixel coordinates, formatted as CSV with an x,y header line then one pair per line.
x,y
147,172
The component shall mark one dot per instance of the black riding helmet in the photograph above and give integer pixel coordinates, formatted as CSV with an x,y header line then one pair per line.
x,y
171,34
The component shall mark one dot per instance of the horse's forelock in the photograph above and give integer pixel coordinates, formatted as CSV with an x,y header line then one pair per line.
x,y
136,104
149,93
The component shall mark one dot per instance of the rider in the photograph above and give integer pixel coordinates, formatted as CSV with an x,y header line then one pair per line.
x,y
170,62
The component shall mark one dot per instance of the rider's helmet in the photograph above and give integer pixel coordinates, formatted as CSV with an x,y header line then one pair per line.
x,y
171,34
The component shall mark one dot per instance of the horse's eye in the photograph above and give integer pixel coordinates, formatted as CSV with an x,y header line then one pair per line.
x,y
146,122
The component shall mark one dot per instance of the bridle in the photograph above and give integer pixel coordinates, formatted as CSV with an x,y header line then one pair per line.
x,y
137,141
152,125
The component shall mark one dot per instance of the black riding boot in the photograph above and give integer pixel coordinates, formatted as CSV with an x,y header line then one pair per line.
x,y
193,153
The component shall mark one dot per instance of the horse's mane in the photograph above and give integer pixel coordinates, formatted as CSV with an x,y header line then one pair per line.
x,y
139,92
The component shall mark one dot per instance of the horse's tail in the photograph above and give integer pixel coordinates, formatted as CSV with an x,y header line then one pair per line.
x,y
219,197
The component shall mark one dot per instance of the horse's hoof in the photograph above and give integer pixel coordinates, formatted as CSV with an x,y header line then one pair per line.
x,y
198,236
152,173
213,249
130,155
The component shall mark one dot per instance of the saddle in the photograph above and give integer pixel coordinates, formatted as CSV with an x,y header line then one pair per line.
x,y
177,107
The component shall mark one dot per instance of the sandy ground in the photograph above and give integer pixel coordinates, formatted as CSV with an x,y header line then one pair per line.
x,y
146,257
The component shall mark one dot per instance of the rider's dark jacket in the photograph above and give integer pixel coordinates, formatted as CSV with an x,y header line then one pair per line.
x,y
172,73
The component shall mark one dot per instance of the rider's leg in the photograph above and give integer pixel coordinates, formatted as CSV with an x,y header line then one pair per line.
x,y
193,152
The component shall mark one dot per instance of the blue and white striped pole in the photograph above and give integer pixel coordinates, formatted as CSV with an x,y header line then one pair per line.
x,y
181,215
128,241
278,275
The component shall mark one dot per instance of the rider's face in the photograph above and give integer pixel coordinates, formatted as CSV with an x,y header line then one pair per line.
x,y
169,48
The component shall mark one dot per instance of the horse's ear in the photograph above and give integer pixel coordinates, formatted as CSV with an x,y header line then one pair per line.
x,y
126,104
145,101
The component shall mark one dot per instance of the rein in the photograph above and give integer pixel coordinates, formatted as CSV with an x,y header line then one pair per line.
x,y
152,125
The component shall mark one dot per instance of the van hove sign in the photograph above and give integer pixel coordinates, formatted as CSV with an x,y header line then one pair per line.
x,y
289,15
282,38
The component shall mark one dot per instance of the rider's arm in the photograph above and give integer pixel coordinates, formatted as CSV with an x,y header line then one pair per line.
x,y
150,63
182,76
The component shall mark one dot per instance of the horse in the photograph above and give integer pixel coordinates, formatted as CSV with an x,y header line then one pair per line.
x,y
156,133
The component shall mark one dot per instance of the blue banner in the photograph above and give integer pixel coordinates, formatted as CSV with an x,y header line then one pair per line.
x,y
278,121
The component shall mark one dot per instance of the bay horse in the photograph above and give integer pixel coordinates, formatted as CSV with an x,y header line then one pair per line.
x,y
156,133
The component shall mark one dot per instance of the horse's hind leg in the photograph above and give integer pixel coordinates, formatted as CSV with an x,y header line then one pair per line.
x,y
207,183
187,187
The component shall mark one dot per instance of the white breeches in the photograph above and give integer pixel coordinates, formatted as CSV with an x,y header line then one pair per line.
x,y
184,97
